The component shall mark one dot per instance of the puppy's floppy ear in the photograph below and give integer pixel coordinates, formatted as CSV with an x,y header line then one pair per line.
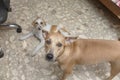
x,y
34,23
69,40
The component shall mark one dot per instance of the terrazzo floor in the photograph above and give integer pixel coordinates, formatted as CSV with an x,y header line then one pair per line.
x,y
84,18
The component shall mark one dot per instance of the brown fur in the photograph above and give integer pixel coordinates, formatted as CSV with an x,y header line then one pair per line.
x,y
53,28
84,51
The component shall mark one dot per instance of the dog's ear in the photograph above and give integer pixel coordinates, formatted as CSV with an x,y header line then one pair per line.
x,y
69,40
34,23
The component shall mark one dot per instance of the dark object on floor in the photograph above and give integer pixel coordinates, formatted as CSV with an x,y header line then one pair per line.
x,y
4,9
1,53
11,26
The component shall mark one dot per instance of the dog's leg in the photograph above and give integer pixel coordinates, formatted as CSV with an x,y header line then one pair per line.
x,y
26,36
67,71
38,47
115,69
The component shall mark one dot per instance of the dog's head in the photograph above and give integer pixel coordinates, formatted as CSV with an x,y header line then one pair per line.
x,y
39,23
55,44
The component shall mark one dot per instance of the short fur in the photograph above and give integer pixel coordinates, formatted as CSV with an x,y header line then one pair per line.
x,y
83,51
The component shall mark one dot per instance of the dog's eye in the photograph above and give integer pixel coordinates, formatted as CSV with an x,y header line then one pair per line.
x,y
59,44
41,23
48,41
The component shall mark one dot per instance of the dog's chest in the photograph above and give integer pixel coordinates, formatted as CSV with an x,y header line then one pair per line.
x,y
38,34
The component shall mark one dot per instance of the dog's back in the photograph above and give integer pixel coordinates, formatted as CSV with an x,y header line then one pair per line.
x,y
93,51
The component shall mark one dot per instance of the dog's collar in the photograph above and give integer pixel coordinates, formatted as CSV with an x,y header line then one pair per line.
x,y
60,54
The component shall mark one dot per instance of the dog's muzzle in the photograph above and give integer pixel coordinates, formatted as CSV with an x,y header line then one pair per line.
x,y
49,56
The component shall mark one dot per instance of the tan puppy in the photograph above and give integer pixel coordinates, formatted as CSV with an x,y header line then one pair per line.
x,y
69,52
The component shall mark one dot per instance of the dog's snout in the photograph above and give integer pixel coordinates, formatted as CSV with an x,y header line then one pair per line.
x,y
49,56
39,28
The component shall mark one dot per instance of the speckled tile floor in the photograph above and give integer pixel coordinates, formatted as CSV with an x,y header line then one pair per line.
x,y
80,17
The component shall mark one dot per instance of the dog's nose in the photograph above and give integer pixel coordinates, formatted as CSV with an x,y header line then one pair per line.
x,y
49,56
